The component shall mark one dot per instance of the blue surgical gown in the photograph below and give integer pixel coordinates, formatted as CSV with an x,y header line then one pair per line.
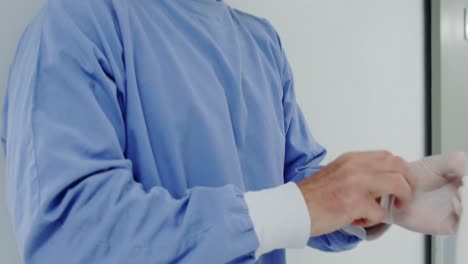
x,y
132,129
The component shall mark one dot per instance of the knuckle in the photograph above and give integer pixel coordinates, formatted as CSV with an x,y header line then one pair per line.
x,y
402,164
386,154
400,161
347,157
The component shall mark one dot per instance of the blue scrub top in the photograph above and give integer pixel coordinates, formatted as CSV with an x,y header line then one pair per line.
x,y
132,129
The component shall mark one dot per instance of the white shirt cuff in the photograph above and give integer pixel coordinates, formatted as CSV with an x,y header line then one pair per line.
x,y
280,218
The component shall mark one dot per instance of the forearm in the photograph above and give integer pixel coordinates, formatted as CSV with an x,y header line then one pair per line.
x,y
108,218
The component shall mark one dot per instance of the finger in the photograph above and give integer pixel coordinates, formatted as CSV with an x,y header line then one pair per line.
x,y
369,157
457,207
373,214
374,154
456,165
396,164
450,165
377,157
455,225
359,222
460,192
391,184
401,166
452,223
457,202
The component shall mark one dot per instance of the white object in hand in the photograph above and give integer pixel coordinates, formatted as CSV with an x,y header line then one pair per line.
x,y
436,206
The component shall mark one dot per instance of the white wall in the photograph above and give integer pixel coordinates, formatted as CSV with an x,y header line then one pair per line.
x,y
359,78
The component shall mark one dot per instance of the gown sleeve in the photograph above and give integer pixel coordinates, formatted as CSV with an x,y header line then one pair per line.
x,y
71,191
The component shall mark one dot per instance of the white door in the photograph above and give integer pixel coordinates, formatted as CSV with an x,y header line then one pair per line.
x,y
450,95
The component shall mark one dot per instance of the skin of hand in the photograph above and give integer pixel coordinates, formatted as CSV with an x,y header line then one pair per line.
x,y
436,205
347,191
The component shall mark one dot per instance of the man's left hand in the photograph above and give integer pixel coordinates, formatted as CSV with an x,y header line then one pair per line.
x,y
436,206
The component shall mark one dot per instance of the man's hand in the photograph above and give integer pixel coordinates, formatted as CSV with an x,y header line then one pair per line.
x,y
436,207
347,191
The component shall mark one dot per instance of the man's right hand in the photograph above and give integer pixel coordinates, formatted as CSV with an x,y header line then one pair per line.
x,y
347,191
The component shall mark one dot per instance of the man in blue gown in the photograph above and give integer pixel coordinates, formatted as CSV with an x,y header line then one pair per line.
x,y
167,131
